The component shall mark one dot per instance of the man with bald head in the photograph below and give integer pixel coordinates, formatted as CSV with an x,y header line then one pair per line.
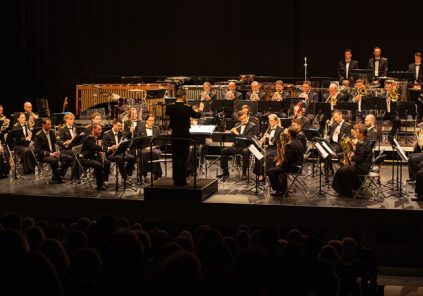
x,y
370,122
255,94
232,93
29,115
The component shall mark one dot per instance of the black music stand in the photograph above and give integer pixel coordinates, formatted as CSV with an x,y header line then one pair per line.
x,y
312,136
222,138
170,100
397,181
286,122
137,145
252,104
319,109
401,75
270,106
226,106
121,150
366,74
353,107
373,103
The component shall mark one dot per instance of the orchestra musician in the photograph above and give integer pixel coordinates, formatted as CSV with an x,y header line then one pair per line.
x,y
255,94
415,88
95,119
378,64
67,138
133,124
247,110
180,118
146,155
360,92
299,113
46,151
308,94
272,133
291,163
29,115
345,91
296,124
93,156
345,66
333,96
345,179
245,129
207,95
415,68
232,93
278,95
370,122
20,140
4,162
391,113
5,124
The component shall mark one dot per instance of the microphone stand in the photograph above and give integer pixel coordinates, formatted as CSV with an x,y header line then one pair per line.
x,y
305,68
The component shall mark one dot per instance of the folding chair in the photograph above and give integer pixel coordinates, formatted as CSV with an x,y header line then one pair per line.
x,y
296,180
87,176
43,171
371,180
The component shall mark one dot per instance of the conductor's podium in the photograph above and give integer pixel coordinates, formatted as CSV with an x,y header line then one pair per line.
x,y
163,189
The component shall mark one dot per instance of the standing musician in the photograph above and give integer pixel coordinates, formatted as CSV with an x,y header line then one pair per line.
x,y
309,95
207,95
345,66
180,118
29,115
269,138
153,131
45,150
5,124
255,94
93,156
245,129
22,136
370,122
378,64
232,93
289,159
415,88
391,114
278,95
133,124
299,113
111,140
345,179
67,135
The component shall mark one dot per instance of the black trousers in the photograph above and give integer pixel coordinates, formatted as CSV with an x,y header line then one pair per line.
x,y
120,160
27,158
101,171
278,177
414,160
345,180
419,182
232,151
76,172
268,159
180,150
145,156
58,170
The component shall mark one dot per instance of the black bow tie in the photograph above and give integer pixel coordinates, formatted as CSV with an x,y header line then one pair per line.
x,y
377,60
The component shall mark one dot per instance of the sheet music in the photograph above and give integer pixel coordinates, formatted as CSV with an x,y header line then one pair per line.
x,y
328,149
321,150
400,151
255,152
202,129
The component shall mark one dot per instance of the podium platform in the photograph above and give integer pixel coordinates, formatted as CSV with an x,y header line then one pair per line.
x,y
163,189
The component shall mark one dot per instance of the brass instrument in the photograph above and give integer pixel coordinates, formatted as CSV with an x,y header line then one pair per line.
x,y
362,92
394,95
5,124
316,121
277,96
280,149
203,96
31,119
254,96
332,100
348,147
420,138
28,131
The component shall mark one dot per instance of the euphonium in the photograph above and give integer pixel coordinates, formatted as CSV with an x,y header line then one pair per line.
x,y
347,147
31,120
280,149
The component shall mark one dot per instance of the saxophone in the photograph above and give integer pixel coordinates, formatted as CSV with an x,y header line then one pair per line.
x,y
347,147
280,149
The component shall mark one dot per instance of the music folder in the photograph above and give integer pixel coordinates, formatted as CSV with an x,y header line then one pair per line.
x,y
205,130
400,151
122,147
140,143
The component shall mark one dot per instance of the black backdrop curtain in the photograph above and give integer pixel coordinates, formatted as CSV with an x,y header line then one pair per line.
x,y
50,44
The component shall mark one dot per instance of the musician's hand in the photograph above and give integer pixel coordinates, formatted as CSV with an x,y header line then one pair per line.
x,y
28,138
56,154
201,106
1,149
278,163
66,143
333,154
207,97
234,131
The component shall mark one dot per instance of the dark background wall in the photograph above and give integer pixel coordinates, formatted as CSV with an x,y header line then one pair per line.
x,y
51,45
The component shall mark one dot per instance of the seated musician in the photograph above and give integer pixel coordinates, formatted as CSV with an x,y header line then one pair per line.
x,y
296,123
95,119
29,115
299,113
289,159
153,131
345,91
278,95
255,94
207,94
93,156
247,110
66,135
232,93
308,94
245,129
270,137
370,122
4,162
391,113
338,129
5,124
22,137
333,96
111,140
345,179
133,124
45,150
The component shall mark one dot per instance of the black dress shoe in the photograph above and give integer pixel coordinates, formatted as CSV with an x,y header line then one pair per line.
x,y
276,193
102,187
223,175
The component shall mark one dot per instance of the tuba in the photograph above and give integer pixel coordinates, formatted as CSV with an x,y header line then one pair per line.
x,y
347,147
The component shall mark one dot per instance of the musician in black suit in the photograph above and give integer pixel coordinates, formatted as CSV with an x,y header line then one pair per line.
x,y
416,69
207,94
345,179
299,113
232,93
370,122
391,113
334,96
415,86
255,94
133,124
378,64
111,140
308,94
269,139
45,150
290,163
93,156
345,66
296,123
245,129
180,122
146,155
95,119
20,139
67,138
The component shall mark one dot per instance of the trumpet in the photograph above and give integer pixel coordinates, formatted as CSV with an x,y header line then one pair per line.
x,y
204,96
230,95
332,100
254,96
362,92
277,96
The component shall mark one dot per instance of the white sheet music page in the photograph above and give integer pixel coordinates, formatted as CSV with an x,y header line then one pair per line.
x,y
321,150
253,149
